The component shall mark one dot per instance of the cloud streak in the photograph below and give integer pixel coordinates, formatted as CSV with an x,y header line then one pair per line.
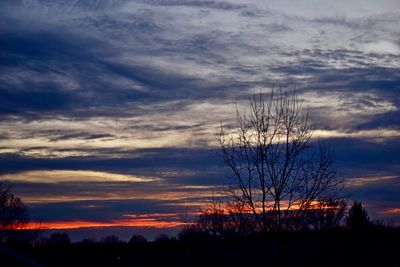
x,y
59,176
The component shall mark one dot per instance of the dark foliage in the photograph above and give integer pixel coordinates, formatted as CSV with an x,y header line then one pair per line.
x,y
58,239
137,240
358,218
111,240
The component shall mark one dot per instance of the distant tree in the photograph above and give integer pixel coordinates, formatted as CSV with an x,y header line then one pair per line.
x,y
59,239
357,218
87,241
276,175
163,239
13,213
111,240
192,233
137,240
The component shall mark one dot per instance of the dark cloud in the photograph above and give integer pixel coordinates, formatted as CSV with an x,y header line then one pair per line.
x,y
358,157
382,80
389,119
381,83
67,7
82,135
147,162
99,211
21,45
40,66
48,99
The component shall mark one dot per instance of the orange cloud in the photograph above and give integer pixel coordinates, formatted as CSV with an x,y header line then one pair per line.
x,y
391,211
151,220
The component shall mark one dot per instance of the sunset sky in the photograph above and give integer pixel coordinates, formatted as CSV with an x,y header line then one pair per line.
x,y
108,107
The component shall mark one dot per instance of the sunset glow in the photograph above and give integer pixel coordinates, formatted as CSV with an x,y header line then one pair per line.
x,y
153,223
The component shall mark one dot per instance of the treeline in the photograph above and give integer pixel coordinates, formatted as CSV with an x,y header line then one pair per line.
x,y
357,242
372,246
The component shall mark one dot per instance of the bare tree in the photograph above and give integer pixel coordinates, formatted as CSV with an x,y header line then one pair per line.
x,y
277,175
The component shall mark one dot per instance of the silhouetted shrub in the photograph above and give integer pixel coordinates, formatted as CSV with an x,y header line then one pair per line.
x,y
137,240
357,218
164,239
111,240
87,241
192,234
59,239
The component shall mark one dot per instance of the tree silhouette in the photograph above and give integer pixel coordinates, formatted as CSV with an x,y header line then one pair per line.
x,y
59,239
357,218
137,240
277,175
110,240
13,212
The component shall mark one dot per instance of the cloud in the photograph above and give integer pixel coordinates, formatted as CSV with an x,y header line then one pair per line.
x,y
59,176
366,180
382,47
378,135
341,8
391,211
102,210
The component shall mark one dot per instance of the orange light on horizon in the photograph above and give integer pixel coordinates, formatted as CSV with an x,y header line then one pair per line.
x,y
147,223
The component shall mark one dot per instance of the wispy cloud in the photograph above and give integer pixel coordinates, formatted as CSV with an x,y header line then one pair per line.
x,y
373,135
368,180
59,176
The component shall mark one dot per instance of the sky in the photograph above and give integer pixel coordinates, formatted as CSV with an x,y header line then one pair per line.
x,y
108,107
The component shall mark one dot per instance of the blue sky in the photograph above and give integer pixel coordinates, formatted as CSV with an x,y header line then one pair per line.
x,y
108,107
